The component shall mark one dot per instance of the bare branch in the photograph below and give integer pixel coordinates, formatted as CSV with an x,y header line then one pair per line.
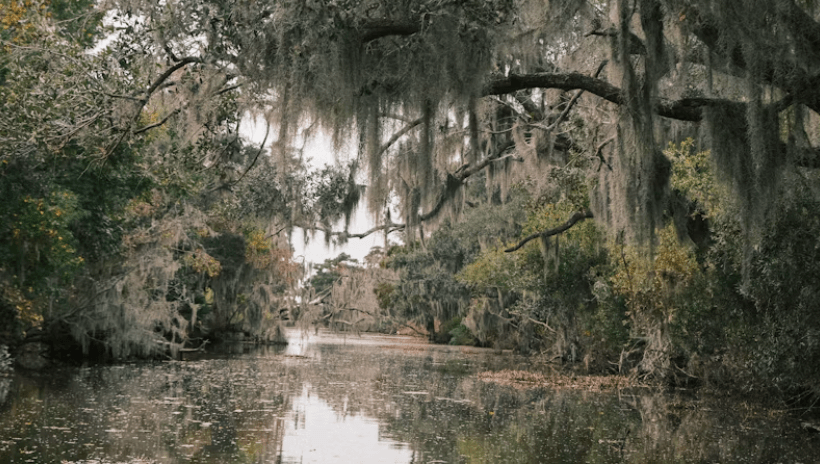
x,y
389,227
259,152
533,111
574,219
410,126
164,76
228,89
156,124
599,153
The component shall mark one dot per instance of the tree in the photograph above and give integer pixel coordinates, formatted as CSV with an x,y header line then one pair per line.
x,y
435,91
117,169
329,272
451,107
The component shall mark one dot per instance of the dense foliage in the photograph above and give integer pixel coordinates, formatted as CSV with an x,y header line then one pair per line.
x,y
128,229
625,185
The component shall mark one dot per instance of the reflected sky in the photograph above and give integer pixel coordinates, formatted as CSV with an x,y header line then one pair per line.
x,y
317,434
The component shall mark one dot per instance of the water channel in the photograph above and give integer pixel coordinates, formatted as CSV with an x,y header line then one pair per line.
x,y
369,399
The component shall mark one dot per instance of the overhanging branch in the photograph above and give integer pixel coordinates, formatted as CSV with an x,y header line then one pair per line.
x,y
376,29
156,124
687,109
165,75
389,227
574,219
452,183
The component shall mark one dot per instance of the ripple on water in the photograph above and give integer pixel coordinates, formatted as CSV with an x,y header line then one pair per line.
x,y
334,398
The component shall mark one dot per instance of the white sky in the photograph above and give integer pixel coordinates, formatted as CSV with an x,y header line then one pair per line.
x,y
317,434
320,153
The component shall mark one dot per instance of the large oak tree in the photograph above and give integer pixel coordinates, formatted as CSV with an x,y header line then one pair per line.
x,y
436,91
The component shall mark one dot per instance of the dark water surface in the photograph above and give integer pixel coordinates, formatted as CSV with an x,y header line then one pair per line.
x,y
369,399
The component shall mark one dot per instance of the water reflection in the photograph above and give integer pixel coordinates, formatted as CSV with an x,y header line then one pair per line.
x,y
318,434
370,399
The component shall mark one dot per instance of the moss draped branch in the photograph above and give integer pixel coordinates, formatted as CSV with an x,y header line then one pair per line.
x,y
141,102
451,185
687,109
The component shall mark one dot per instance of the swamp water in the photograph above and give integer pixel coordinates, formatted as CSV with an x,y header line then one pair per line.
x,y
369,399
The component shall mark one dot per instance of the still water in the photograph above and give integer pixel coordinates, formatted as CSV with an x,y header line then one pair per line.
x,y
371,399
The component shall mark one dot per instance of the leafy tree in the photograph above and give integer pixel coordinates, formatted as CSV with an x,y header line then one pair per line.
x,y
329,272
454,108
411,78
427,293
542,287
113,190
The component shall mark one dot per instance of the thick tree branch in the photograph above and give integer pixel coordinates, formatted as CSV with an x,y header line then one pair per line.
x,y
500,84
685,109
688,109
410,126
574,219
156,124
164,76
376,29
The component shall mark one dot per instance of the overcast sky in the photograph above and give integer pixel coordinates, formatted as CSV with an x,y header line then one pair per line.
x,y
319,153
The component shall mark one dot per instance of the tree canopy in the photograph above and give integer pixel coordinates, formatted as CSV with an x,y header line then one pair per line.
x,y
435,91
134,205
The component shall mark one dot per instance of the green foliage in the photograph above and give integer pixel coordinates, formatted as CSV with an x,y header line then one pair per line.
x,y
335,194
658,284
112,195
40,232
667,296
496,270
386,293
773,332
329,272
545,288
692,176
458,333
429,289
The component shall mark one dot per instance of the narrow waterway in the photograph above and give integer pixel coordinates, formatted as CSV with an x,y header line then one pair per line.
x,y
368,399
